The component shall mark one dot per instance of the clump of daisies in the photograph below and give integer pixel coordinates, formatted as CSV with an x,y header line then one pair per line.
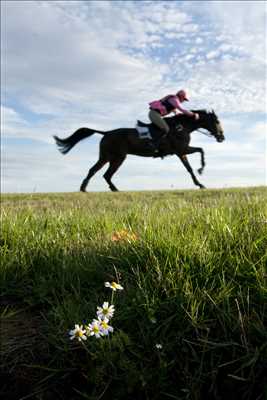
x,y
100,326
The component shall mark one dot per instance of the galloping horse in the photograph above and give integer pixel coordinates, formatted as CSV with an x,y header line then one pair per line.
x,y
116,144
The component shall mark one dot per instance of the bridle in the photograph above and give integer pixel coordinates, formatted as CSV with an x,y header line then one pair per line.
x,y
210,134
205,131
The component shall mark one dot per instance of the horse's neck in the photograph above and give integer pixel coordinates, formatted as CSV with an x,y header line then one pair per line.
x,y
190,124
183,119
196,124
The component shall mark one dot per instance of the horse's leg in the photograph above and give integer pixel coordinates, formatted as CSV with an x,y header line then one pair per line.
x,y
191,150
113,167
98,165
185,161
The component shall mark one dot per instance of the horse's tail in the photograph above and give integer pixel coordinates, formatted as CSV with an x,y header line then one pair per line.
x,y
65,145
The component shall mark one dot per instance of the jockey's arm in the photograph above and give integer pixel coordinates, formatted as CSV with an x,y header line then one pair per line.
x,y
186,112
176,104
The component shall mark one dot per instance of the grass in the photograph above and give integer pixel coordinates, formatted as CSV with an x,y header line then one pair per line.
x,y
194,281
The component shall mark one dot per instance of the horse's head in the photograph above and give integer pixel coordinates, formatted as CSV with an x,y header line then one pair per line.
x,y
209,120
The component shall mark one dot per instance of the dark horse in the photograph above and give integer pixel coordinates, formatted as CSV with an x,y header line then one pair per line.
x,y
116,144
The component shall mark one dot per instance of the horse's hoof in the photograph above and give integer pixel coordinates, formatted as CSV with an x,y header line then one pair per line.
x,y
83,188
202,187
200,170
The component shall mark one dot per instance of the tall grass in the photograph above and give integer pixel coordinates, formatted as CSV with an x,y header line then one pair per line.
x,y
194,282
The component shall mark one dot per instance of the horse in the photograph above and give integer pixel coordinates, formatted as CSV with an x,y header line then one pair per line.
x,y
117,143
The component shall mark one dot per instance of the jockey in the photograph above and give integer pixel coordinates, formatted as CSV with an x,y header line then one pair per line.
x,y
162,107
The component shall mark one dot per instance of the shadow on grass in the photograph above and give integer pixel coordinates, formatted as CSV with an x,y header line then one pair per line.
x,y
198,360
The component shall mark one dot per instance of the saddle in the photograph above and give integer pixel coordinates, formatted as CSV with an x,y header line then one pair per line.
x,y
154,131
153,136
148,131
156,140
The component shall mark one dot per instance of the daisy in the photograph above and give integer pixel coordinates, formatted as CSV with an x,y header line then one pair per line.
x,y
105,311
114,286
78,332
105,327
94,329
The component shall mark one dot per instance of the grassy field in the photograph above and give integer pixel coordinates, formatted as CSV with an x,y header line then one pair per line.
x,y
191,322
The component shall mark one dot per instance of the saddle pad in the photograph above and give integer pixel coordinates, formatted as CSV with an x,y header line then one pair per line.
x,y
143,132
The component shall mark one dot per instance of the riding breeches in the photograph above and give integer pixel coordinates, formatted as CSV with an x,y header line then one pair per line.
x,y
157,119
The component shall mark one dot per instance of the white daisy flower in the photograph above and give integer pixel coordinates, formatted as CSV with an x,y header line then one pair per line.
x,y
158,346
105,327
105,311
78,332
114,286
94,329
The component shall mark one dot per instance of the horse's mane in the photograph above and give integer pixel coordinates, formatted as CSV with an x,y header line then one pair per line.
x,y
201,111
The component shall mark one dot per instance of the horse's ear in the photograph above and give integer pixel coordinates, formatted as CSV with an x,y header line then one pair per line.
x,y
213,112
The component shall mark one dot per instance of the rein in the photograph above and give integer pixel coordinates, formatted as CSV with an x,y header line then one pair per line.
x,y
205,133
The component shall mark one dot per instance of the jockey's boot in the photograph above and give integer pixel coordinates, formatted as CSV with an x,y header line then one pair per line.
x,y
157,150
151,146
157,143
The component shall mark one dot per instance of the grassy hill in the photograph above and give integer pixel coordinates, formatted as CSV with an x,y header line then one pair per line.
x,y
190,322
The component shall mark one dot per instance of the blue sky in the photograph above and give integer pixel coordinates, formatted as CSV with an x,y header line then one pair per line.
x,y
67,64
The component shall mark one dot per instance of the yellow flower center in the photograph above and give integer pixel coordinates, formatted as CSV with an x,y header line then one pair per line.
x,y
95,329
104,325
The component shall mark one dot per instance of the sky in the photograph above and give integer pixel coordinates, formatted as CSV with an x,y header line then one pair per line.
x,y
69,64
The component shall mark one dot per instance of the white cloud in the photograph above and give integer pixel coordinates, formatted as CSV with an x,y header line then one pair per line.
x,y
9,116
212,54
258,132
199,40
